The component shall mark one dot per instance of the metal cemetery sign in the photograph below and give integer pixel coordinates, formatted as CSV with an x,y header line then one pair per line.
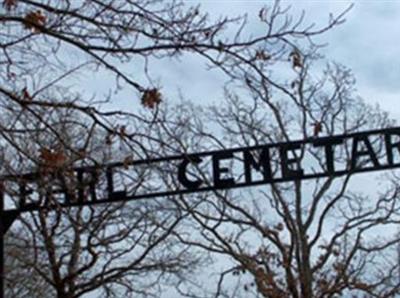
x,y
208,171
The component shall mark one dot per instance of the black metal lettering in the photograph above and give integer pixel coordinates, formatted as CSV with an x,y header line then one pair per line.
x,y
263,164
23,191
217,170
47,188
92,184
113,195
81,186
286,162
61,186
328,144
182,178
356,153
390,146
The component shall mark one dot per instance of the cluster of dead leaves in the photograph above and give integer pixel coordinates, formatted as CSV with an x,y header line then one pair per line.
x,y
118,131
262,55
34,20
51,159
151,98
262,14
26,95
10,4
296,58
317,128
266,281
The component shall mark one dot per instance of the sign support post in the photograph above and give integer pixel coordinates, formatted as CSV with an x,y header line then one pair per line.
x,y
2,232
6,220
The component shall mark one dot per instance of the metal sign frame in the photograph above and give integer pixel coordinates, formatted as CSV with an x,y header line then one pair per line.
x,y
290,170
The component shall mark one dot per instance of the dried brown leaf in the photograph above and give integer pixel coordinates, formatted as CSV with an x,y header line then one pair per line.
x,y
151,98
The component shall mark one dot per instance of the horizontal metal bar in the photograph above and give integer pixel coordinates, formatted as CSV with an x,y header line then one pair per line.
x,y
33,176
208,188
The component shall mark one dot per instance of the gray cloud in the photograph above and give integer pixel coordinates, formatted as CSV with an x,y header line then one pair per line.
x,y
368,42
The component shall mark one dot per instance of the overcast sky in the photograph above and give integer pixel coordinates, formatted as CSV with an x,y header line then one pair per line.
x,y
368,43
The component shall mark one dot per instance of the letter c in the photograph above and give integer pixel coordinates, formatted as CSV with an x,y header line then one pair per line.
x,y
189,184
